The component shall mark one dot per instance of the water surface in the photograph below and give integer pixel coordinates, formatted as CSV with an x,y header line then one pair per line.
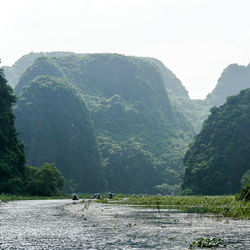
x,y
64,224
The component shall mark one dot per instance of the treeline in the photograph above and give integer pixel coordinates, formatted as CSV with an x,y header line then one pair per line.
x,y
12,158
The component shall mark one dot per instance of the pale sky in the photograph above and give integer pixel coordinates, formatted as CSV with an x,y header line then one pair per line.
x,y
196,39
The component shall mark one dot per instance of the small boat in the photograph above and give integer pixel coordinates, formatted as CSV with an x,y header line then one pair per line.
x,y
96,196
75,197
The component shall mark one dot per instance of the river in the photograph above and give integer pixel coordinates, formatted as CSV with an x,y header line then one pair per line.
x,y
64,224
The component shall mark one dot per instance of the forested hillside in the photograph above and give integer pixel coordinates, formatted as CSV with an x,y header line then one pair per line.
x,y
195,110
220,155
12,157
233,79
141,137
138,109
55,127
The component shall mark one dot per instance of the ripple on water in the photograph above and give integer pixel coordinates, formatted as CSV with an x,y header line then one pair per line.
x,y
55,224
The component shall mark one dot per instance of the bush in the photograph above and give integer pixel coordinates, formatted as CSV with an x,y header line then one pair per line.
x,y
46,181
244,193
186,192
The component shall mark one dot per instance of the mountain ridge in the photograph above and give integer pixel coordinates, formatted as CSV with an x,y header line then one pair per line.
x,y
129,106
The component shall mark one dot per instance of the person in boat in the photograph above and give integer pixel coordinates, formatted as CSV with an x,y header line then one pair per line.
x,y
93,196
96,196
110,195
75,197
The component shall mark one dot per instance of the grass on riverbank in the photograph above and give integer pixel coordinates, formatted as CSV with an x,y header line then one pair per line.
x,y
7,197
226,206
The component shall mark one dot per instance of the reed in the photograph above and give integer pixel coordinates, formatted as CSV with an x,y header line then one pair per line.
x,y
226,206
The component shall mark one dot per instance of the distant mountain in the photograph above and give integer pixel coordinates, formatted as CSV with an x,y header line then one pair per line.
x,y
172,83
195,111
233,79
14,72
141,137
12,158
220,153
139,108
55,127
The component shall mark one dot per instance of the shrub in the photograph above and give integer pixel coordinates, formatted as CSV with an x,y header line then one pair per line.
x,y
244,193
46,181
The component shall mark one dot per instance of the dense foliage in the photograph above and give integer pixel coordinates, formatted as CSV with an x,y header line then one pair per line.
x,y
46,181
220,155
138,131
233,79
55,127
140,127
12,157
244,193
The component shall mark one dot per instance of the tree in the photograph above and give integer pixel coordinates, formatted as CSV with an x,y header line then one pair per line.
x,y
245,179
218,161
12,158
46,181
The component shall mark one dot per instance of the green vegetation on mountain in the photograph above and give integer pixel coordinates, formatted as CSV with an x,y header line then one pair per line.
x,y
12,158
139,110
55,127
233,79
141,137
219,158
14,72
195,111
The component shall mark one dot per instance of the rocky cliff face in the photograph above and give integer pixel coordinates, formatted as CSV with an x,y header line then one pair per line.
x,y
233,79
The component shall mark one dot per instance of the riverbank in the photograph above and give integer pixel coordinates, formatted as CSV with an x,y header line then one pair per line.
x,y
226,206
6,197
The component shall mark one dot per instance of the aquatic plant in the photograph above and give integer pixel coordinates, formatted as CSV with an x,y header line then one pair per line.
x,y
206,243
226,206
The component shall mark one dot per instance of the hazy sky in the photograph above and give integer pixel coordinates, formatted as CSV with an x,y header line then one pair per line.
x,y
196,39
